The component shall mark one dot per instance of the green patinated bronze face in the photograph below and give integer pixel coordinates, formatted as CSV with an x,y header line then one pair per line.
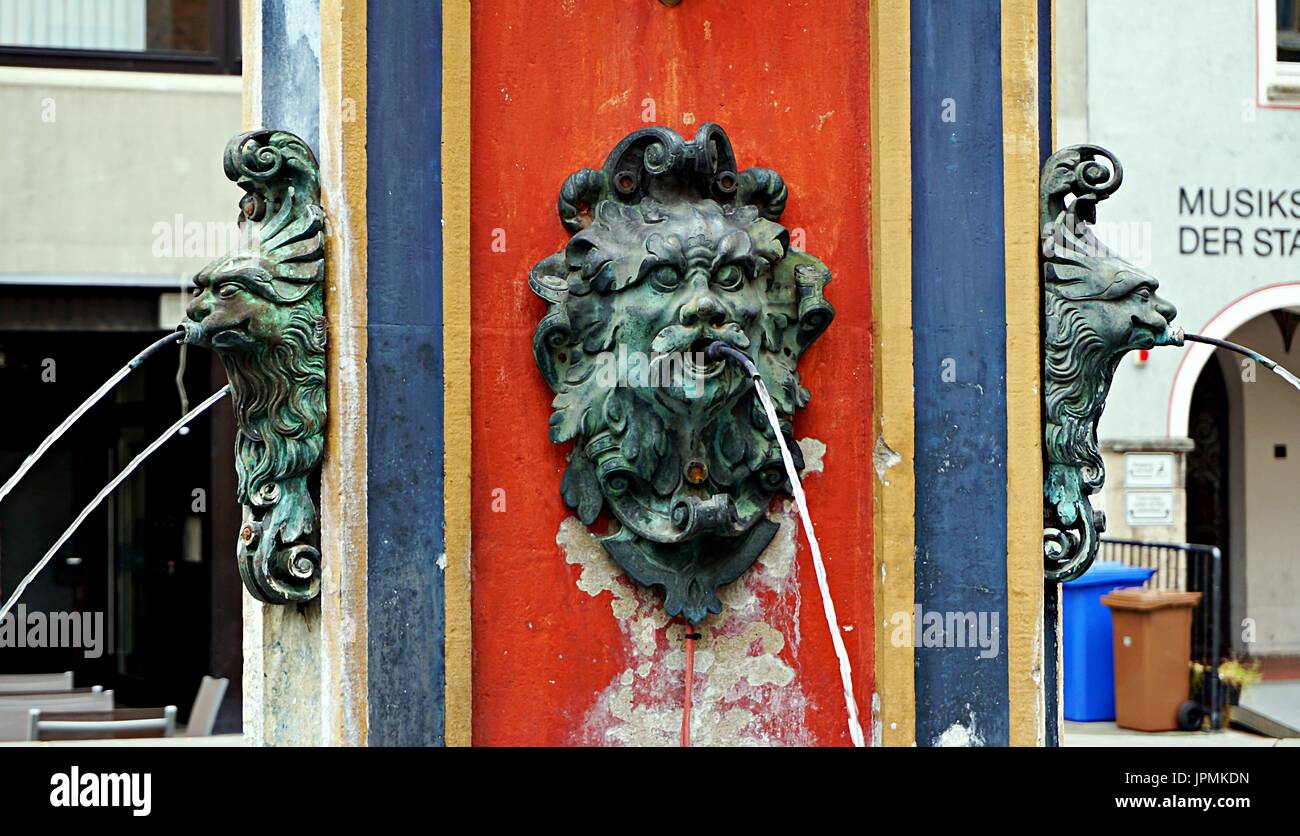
x,y
1098,307
672,250
261,309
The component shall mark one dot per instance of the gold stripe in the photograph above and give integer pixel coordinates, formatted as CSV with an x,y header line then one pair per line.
x,y
456,367
1024,399
894,498
250,33
344,525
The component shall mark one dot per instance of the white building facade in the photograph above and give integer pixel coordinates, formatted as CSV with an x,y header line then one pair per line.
x,y
1197,102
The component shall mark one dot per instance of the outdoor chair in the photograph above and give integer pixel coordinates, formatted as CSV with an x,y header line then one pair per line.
x,y
10,682
203,715
15,708
115,724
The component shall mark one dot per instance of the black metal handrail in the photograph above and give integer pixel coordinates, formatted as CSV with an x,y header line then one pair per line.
x,y
1190,567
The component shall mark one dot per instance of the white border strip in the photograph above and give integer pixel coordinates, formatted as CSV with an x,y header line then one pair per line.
x,y
121,80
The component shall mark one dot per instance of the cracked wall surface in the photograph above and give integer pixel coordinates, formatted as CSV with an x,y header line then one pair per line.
x,y
746,690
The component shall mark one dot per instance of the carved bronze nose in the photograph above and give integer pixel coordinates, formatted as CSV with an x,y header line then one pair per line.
x,y
702,308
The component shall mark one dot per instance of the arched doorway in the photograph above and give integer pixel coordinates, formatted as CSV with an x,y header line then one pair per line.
x,y
1208,478
1242,478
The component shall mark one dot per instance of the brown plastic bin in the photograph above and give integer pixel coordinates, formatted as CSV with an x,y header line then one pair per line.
x,y
1153,649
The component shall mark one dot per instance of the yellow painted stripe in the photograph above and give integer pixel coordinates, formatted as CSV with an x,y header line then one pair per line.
x,y
344,532
894,499
1024,399
250,34
456,366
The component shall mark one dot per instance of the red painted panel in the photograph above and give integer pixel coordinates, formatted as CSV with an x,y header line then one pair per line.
x,y
555,86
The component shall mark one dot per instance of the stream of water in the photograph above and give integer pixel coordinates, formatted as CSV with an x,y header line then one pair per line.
x,y
1271,365
716,351
107,489
828,605
94,398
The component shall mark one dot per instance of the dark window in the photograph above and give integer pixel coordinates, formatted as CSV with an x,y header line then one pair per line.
x,y
1288,31
170,36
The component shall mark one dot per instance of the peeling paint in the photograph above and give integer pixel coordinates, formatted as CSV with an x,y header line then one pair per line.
x,y
883,457
1036,674
958,735
814,455
877,721
746,690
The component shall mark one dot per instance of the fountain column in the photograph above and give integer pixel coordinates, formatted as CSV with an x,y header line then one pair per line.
x,y
370,660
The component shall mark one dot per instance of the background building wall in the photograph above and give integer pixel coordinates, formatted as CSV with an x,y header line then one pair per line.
x,y
113,196
1170,88
103,165
1266,411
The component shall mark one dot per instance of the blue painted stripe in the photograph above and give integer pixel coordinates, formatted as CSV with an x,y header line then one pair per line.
x,y
959,323
291,68
1045,80
405,373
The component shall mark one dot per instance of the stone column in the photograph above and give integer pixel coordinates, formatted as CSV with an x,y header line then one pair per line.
x,y
305,667
369,662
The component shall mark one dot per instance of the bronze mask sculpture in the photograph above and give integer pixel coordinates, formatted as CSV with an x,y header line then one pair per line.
x,y
1097,308
261,308
673,249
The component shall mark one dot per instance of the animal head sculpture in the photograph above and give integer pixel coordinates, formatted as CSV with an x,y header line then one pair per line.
x,y
261,309
673,249
1098,307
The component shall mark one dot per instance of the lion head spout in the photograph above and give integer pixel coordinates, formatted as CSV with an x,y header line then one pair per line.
x,y
261,309
1097,307
672,250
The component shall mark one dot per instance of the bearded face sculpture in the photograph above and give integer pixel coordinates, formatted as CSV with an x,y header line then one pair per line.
x,y
261,309
672,251
1098,307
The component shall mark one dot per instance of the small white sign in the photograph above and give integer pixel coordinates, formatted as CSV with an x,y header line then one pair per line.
x,y
1143,508
1148,470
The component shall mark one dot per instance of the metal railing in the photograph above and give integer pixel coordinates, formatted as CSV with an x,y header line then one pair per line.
x,y
1186,567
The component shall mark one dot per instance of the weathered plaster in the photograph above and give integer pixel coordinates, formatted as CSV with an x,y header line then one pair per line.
x,y
960,735
282,679
746,690
884,457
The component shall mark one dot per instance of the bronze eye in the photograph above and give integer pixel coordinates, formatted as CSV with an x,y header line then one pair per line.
x,y
1144,293
227,290
665,278
730,277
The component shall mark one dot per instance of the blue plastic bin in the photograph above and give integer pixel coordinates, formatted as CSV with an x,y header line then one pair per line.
x,y
1086,649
